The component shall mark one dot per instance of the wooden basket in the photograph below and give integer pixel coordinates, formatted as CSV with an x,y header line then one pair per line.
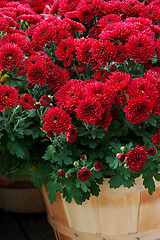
x,y
20,196
116,214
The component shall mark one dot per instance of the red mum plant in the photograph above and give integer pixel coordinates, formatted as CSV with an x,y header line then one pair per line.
x,y
80,93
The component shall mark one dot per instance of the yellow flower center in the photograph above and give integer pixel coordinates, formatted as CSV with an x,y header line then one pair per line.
x,y
9,57
54,120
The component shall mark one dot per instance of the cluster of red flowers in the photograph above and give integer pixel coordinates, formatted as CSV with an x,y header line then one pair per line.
x,y
89,39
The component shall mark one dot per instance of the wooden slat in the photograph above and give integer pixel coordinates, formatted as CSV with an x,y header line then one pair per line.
x,y
149,213
73,234
132,201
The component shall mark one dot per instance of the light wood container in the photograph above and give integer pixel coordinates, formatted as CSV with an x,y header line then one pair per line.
x,y
20,196
116,214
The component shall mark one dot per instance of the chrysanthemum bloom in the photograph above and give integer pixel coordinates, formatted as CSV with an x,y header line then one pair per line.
x,y
11,56
56,120
119,80
101,75
71,133
83,48
65,46
27,101
102,91
157,108
68,60
45,100
84,174
89,110
107,19
75,25
44,34
55,76
156,138
151,12
94,32
138,110
3,24
68,95
105,120
136,158
20,40
121,54
141,47
80,68
8,97
103,52
21,70
37,74
151,151
84,13
98,166
131,7
153,74
142,87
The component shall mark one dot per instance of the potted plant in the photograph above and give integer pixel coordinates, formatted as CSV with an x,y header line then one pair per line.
x,y
87,110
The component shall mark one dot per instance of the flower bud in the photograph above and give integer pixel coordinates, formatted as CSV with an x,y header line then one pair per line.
x,y
83,157
30,86
121,157
50,134
122,148
67,175
152,151
37,105
98,166
76,163
61,173
112,68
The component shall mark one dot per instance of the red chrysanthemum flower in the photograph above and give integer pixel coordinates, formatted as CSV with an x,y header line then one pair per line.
x,y
11,56
131,7
56,120
121,54
94,32
89,110
45,100
156,138
8,97
153,74
44,33
27,101
140,48
80,68
84,174
21,70
65,46
101,75
84,13
103,52
136,158
55,76
71,133
75,25
37,74
139,109
119,80
142,87
151,12
3,24
158,49
105,120
107,19
98,166
68,95
83,48
157,108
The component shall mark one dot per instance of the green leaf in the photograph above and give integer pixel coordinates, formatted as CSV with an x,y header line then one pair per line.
x,y
157,176
53,187
152,121
148,182
116,181
15,148
49,154
84,187
94,189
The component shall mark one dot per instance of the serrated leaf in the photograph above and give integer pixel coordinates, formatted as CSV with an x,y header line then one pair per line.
x,y
15,148
94,189
148,182
84,187
116,181
49,154
152,121
53,187
157,176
